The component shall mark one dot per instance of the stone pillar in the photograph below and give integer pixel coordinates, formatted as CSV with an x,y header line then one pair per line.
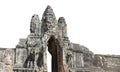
x,y
21,56
82,60
45,58
74,60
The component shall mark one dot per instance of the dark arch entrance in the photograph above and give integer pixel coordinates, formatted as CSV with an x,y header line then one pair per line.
x,y
56,52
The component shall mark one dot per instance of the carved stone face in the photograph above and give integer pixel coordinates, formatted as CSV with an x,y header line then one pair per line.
x,y
35,24
32,27
48,20
48,23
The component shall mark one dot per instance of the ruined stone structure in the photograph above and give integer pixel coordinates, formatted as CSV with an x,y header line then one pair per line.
x,y
51,34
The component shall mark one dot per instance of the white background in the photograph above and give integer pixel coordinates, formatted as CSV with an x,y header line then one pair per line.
x,y
92,23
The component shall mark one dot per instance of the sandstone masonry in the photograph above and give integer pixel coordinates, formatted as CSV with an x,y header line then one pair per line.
x,y
50,34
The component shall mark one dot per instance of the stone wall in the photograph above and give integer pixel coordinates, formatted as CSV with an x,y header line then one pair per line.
x,y
6,60
112,61
108,63
50,33
20,57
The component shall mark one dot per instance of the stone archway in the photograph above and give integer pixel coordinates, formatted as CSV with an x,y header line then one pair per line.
x,y
56,52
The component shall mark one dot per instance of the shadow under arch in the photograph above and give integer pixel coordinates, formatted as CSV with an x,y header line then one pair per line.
x,y
56,52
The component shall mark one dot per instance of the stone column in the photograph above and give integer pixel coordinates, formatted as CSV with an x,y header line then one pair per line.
x,y
82,60
45,58
74,60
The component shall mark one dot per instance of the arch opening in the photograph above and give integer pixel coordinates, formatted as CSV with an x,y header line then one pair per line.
x,y
57,55
49,58
52,49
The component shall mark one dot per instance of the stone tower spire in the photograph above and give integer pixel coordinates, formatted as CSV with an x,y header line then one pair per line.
x,y
49,21
62,26
35,26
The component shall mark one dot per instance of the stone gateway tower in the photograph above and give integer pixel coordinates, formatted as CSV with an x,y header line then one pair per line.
x,y
50,34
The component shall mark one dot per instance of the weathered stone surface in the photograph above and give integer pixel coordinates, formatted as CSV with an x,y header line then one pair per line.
x,y
22,43
48,21
6,60
35,24
51,34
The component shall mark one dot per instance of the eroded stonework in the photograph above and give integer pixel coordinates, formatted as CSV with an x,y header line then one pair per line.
x,y
6,60
51,34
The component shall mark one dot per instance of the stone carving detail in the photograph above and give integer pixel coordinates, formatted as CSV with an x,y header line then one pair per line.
x,y
6,63
69,59
40,59
79,60
35,24
31,59
62,26
51,34
48,20
99,61
22,43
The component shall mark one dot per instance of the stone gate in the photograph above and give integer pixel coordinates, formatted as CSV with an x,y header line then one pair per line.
x,y
51,34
